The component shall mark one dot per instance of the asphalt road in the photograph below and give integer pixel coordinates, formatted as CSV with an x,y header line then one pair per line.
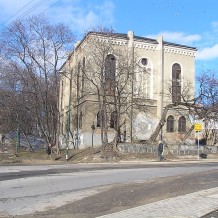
x,y
94,190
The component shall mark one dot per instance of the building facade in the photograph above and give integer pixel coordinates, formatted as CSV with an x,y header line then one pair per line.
x,y
126,80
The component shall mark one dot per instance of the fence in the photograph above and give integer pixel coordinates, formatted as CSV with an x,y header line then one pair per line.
x,y
169,149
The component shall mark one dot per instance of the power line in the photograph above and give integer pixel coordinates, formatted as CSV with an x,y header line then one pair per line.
x,y
49,6
32,8
16,13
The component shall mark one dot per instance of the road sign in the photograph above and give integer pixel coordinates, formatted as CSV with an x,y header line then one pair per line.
x,y
198,127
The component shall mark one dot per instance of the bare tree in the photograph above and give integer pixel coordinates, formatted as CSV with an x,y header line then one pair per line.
x,y
202,106
34,50
208,98
108,75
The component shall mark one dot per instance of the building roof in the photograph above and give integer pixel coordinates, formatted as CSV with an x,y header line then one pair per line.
x,y
125,36
139,38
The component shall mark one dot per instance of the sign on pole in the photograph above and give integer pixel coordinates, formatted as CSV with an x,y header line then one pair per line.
x,y
198,127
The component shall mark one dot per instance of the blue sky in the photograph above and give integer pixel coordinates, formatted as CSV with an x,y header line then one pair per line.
x,y
189,22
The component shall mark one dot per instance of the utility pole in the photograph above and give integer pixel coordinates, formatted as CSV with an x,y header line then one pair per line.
x,y
161,90
59,106
68,132
68,117
131,50
18,137
77,107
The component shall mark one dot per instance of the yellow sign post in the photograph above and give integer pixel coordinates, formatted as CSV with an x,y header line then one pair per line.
x,y
198,128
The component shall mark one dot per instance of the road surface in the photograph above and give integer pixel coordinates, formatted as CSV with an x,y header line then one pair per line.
x,y
90,190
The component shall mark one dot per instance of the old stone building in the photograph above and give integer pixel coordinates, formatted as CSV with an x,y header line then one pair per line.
x,y
132,78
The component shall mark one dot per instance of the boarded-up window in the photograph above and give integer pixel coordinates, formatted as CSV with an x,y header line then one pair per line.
x,y
182,124
170,124
176,83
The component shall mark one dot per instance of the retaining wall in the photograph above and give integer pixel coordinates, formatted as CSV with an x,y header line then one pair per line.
x,y
169,149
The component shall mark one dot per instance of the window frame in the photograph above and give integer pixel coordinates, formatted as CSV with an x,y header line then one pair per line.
x,y
176,82
109,74
113,120
170,123
182,124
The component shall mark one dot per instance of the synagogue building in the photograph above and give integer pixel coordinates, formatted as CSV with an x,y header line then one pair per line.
x,y
121,83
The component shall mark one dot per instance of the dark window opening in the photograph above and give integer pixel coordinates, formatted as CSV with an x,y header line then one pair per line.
x,y
110,68
176,83
76,121
80,120
62,128
144,61
170,124
100,119
113,121
182,124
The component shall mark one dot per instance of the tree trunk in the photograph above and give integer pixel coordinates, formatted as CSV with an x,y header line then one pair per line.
x,y
30,146
188,133
161,123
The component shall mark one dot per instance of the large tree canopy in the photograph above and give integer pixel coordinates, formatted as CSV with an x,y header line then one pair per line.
x,y
31,51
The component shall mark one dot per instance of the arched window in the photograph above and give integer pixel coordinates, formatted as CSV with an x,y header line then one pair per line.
x,y
182,124
176,83
110,68
170,124
100,119
113,121
142,76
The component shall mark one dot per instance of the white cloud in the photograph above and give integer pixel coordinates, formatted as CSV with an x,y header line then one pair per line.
x,y
9,6
80,18
11,10
178,37
215,24
208,53
208,47
207,42
77,14
106,11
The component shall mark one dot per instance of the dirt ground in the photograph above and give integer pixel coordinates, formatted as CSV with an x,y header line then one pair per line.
x,y
88,155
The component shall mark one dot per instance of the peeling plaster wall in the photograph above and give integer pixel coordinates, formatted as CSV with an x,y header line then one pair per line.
x,y
143,126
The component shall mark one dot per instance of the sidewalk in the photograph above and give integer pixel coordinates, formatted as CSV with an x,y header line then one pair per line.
x,y
170,161
192,205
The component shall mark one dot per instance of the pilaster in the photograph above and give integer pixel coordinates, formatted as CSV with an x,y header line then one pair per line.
x,y
160,75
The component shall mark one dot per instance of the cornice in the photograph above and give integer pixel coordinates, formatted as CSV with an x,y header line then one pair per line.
x,y
181,51
172,50
145,46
